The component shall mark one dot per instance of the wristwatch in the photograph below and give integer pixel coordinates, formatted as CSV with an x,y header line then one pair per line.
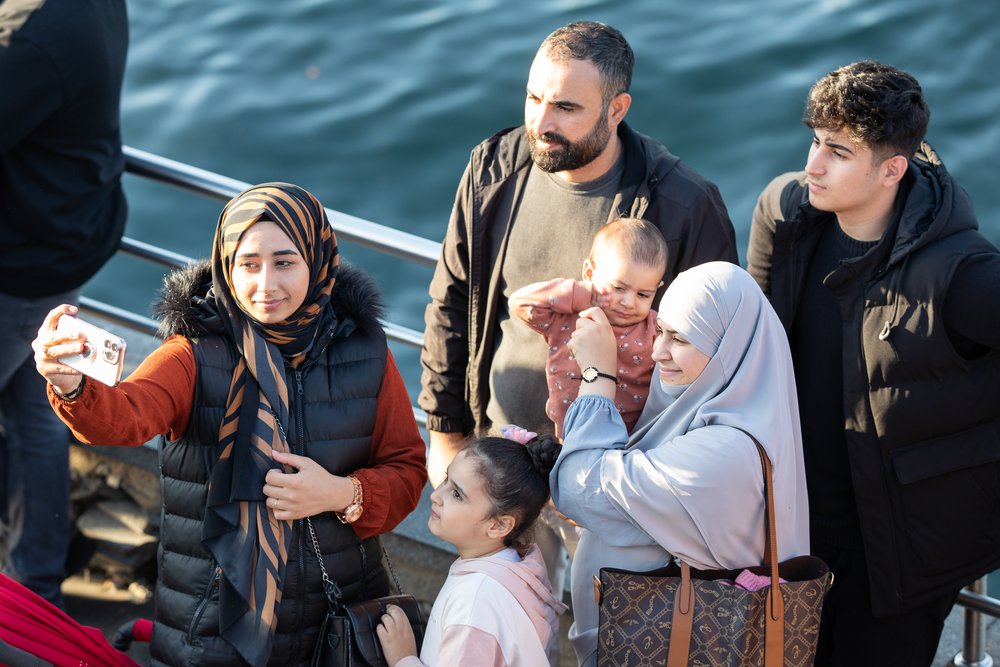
x,y
590,374
353,511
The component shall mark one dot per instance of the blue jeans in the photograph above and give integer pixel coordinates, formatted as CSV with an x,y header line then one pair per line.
x,y
34,454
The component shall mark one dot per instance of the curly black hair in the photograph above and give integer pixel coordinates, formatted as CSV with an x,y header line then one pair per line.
x,y
516,479
876,104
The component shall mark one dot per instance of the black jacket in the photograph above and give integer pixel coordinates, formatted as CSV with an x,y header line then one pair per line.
x,y
922,422
466,291
62,208
332,424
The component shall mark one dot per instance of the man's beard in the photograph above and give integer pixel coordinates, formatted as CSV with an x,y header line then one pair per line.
x,y
571,154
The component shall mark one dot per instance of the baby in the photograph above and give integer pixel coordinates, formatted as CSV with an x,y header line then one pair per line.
x,y
625,268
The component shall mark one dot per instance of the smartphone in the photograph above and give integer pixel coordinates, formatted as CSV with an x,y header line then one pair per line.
x,y
103,356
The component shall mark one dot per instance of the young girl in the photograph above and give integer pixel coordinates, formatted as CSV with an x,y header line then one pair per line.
x,y
497,606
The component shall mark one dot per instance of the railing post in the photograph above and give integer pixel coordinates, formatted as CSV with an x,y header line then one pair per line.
x,y
973,653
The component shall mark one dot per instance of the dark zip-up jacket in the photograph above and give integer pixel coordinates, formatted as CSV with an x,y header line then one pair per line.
x,y
466,292
922,422
62,207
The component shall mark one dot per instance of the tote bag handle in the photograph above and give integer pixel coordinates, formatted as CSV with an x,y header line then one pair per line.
x,y
774,630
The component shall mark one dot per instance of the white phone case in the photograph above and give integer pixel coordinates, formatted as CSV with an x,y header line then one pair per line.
x,y
103,355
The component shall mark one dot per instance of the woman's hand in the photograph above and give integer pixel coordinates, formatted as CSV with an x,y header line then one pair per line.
x,y
396,635
50,345
308,492
593,344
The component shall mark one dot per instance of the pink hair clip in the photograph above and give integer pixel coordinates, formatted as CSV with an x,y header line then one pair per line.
x,y
517,434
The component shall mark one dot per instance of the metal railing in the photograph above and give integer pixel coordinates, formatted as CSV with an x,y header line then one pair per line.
x,y
424,252
192,179
356,230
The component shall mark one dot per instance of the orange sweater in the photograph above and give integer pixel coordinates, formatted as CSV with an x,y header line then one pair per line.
x,y
157,399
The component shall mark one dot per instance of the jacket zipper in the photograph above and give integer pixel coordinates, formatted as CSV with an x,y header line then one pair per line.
x,y
299,523
300,434
203,603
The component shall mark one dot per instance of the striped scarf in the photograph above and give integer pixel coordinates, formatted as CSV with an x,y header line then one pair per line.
x,y
249,544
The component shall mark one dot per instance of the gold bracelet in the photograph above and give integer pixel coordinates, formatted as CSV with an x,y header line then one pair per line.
x,y
353,511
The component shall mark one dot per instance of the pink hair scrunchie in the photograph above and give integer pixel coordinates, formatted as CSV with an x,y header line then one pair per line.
x,y
517,434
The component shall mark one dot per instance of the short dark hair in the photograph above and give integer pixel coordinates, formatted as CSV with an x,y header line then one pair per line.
x,y
640,241
600,44
516,479
876,104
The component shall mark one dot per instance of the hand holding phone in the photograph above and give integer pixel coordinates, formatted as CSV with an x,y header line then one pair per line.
x,y
103,356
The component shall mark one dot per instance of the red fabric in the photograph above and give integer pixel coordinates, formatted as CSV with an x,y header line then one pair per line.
x,y
396,471
142,630
34,625
156,399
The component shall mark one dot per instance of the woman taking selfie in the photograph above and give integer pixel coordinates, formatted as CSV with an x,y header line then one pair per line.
x,y
278,400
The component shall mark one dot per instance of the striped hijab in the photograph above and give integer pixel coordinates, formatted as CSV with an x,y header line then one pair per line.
x,y
249,544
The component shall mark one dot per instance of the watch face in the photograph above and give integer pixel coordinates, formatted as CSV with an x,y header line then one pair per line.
x,y
589,374
352,513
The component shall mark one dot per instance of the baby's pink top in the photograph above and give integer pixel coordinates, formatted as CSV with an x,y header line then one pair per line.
x,y
551,308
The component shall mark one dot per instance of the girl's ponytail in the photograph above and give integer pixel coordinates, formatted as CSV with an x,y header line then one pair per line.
x,y
544,450
516,479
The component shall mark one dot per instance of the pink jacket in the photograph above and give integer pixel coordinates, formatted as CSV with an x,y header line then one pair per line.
x,y
551,308
496,610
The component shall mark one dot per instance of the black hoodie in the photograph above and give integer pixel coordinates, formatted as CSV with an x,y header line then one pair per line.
x,y
921,422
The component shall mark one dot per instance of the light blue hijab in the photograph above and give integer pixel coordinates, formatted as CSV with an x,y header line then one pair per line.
x,y
688,481
748,385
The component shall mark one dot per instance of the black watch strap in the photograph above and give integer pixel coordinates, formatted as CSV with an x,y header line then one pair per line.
x,y
590,374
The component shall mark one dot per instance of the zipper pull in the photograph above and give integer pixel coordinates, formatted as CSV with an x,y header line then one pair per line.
x,y
886,330
298,382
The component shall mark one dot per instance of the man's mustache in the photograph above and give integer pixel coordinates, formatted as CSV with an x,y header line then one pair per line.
x,y
552,138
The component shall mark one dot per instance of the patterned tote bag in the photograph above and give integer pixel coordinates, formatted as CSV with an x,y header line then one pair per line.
x,y
678,616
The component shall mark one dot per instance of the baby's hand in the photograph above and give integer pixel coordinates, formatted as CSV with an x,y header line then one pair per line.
x,y
600,295
396,635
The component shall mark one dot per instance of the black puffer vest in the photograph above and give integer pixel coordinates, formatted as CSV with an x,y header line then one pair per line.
x,y
332,413
922,422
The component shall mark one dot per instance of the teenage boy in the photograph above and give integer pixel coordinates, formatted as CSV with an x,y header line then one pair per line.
x,y
891,299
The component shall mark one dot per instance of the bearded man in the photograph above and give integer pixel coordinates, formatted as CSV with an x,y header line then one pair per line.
x,y
527,208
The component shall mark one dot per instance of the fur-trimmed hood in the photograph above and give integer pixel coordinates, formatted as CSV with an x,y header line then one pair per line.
x,y
356,301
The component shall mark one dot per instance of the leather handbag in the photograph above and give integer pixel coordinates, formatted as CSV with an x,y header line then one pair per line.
x,y
679,616
347,636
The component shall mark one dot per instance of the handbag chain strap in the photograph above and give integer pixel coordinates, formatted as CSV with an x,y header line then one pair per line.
x,y
330,587
392,570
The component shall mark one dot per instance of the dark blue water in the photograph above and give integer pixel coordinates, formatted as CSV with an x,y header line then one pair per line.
x,y
374,106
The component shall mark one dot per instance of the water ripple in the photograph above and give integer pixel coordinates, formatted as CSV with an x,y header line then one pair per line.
x,y
375,106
